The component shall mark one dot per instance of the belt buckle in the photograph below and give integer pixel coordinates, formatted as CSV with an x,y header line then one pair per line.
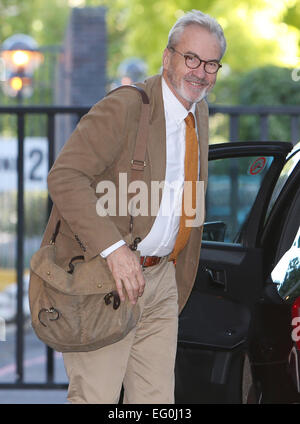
x,y
144,261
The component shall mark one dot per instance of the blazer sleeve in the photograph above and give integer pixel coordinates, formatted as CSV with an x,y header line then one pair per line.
x,y
93,146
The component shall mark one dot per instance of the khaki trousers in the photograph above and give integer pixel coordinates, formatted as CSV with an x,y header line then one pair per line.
x,y
143,361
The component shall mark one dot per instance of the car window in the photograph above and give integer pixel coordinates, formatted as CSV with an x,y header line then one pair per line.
x,y
286,273
233,184
292,161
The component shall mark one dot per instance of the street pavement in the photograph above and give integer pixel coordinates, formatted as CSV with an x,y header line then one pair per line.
x,y
35,355
35,361
25,396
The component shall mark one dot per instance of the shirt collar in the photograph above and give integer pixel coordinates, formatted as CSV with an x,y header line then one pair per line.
x,y
174,110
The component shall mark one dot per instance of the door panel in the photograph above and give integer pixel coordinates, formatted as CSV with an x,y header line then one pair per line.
x,y
241,266
215,324
274,350
222,323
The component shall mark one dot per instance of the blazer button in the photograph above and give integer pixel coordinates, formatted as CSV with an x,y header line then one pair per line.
x,y
99,285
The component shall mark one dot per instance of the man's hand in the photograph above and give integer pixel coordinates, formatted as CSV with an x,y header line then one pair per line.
x,y
127,272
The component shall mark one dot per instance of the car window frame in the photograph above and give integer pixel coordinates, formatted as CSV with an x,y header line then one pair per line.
x,y
273,227
279,150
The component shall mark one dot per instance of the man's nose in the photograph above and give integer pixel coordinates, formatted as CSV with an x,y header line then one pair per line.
x,y
200,71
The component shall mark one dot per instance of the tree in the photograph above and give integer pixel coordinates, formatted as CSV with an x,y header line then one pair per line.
x,y
292,14
254,30
259,33
269,85
44,21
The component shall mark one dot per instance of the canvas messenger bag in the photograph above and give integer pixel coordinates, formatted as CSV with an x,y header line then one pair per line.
x,y
71,310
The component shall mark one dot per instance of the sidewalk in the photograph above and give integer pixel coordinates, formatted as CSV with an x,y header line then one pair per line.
x,y
34,369
8,396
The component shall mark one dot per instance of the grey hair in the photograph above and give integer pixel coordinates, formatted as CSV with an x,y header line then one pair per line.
x,y
195,17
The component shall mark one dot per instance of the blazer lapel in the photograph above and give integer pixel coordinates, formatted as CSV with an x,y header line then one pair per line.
x,y
156,146
202,126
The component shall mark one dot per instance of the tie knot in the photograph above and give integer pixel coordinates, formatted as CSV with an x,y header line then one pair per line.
x,y
190,120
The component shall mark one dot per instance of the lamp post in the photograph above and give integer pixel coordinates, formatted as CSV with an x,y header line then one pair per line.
x,y
21,57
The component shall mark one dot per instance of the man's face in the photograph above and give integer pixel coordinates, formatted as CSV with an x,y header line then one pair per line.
x,y
191,85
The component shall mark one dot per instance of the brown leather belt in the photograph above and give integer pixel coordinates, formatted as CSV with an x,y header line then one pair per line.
x,y
149,260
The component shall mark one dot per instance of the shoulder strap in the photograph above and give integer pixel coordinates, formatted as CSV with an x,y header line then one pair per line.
x,y
138,160
56,231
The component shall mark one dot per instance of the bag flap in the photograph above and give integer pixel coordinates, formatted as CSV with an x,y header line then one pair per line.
x,y
92,277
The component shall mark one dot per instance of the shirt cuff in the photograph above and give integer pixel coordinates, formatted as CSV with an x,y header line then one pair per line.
x,y
112,248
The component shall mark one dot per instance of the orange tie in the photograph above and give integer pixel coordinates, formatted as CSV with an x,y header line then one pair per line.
x,y
190,174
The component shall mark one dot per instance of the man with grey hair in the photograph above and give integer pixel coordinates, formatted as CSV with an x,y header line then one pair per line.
x,y
162,279
202,79
198,18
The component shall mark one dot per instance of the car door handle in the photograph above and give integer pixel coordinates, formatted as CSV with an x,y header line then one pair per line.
x,y
217,277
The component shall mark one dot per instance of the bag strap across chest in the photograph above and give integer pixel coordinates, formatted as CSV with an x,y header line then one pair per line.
x,y
138,161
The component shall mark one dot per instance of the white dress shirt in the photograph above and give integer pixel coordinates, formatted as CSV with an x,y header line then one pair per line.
x,y
161,238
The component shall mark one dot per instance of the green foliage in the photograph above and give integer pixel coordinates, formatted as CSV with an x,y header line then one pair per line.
x,y
267,85
139,28
250,29
35,213
292,15
271,86
227,89
44,21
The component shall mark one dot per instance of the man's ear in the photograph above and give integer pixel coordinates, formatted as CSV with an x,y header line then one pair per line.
x,y
166,58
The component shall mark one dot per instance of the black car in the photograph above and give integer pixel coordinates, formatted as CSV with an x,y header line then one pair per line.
x,y
239,333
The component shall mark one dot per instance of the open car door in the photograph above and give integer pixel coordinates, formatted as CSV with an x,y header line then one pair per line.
x,y
216,323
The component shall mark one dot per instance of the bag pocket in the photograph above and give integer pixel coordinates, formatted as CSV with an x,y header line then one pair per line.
x,y
79,311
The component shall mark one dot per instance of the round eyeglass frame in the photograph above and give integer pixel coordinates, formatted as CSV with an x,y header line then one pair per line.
x,y
186,55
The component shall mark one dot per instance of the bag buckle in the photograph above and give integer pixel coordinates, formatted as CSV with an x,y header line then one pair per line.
x,y
49,311
135,243
114,294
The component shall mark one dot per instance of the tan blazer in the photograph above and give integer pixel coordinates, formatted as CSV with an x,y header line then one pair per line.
x,y
99,149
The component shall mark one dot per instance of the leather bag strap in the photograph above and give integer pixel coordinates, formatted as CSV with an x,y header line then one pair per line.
x,y
138,161
55,233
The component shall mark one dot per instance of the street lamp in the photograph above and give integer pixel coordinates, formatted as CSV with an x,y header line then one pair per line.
x,y
21,58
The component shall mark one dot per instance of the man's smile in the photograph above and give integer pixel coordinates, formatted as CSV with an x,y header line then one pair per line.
x,y
196,83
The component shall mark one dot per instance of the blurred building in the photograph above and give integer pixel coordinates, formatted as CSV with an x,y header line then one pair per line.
x,y
81,71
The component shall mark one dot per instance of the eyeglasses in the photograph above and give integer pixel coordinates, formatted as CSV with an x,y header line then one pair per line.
x,y
193,61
